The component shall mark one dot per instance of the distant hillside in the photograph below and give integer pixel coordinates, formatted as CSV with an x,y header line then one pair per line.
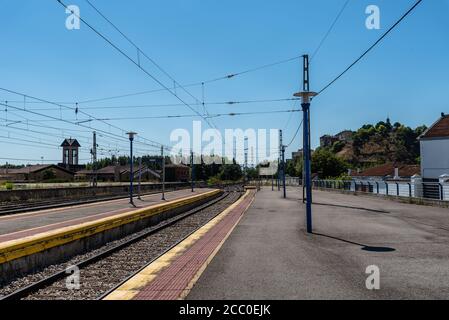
x,y
378,144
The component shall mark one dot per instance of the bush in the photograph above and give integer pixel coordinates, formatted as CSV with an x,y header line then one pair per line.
x,y
9,185
214,181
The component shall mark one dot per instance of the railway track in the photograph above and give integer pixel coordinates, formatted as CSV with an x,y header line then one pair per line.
x,y
104,269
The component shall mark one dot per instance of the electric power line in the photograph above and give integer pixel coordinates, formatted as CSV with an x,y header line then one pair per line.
x,y
296,134
371,47
136,63
329,30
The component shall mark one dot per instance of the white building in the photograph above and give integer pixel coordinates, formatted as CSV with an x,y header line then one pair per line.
x,y
435,150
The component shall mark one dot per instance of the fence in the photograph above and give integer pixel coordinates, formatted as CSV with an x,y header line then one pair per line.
x,y
415,188
412,189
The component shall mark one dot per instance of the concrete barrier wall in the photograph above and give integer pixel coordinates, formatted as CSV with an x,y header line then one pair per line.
x,y
79,192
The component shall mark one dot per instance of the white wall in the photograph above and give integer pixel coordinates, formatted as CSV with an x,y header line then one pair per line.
x,y
434,158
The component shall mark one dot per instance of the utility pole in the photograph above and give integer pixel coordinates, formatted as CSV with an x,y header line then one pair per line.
x,y
306,97
277,176
131,136
94,160
280,160
163,173
193,171
140,177
246,159
283,171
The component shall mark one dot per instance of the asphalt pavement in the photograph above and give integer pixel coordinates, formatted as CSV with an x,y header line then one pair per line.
x,y
270,256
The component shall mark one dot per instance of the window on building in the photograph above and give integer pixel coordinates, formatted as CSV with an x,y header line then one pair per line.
x,y
66,156
75,156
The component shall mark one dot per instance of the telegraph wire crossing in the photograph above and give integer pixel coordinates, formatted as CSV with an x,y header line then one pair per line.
x,y
232,114
136,63
222,78
202,83
145,55
386,33
221,103
323,40
7,105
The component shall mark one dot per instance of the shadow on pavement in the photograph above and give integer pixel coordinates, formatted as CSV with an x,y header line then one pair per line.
x,y
349,207
364,247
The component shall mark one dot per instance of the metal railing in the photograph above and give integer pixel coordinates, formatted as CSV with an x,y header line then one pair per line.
x,y
422,190
403,189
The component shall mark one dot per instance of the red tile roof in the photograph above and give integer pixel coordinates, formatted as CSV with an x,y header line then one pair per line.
x,y
388,170
438,130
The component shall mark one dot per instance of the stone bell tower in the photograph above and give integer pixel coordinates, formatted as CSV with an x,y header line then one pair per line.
x,y
70,153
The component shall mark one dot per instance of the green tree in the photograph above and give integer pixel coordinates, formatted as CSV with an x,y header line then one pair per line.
x,y
232,172
327,165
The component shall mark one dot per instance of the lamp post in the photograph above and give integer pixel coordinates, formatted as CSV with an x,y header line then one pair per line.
x,y
283,171
192,163
305,96
140,178
163,173
131,136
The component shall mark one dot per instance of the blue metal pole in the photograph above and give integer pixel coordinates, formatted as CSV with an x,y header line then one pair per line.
x,y
283,171
193,169
131,173
307,167
279,175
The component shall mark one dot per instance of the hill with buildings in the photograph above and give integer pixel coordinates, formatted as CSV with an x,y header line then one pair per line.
x,y
376,144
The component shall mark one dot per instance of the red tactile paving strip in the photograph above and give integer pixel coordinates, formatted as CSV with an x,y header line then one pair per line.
x,y
77,221
171,282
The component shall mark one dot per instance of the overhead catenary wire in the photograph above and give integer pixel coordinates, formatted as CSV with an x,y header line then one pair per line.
x,y
138,65
371,47
323,40
296,134
232,114
111,135
140,51
121,138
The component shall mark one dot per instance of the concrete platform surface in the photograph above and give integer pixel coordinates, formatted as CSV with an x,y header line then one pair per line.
x,y
269,255
171,276
27,224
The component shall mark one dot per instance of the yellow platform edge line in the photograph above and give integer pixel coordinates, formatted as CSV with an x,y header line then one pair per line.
x,y
198,275
132,287
15,249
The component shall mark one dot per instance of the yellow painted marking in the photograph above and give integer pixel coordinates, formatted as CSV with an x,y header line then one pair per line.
x,y
131,288
195,279
15,249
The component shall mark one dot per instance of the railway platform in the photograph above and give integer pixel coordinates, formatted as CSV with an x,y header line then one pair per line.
x,y
172,275
19,226
31,241
265,253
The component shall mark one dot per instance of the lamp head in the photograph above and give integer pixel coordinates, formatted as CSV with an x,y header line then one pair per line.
x,y
305,96
131,135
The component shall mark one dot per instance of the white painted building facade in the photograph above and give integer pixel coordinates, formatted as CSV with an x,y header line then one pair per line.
x,y
435,150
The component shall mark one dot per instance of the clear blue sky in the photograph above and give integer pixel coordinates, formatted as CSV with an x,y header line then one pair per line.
x,y
406,77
